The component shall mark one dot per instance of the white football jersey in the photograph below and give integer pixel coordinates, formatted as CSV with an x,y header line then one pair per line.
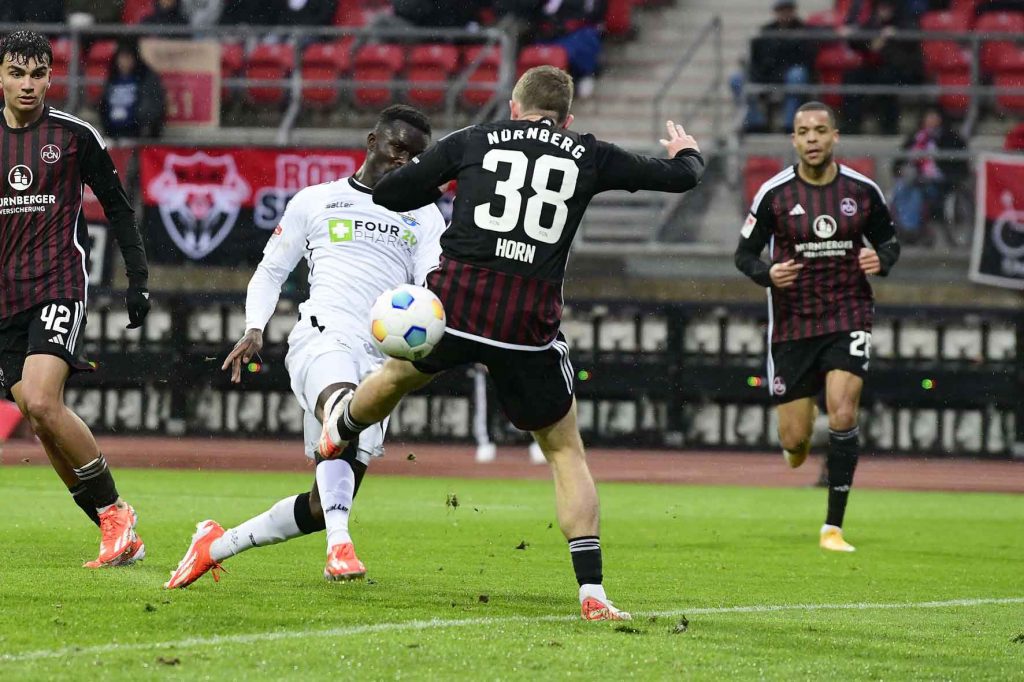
x,y
355,250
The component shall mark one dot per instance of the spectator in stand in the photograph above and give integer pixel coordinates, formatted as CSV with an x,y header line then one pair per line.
x,y
887,61
1015,139
776,60
32,11
573,24
133,97
924,182
165,13
306,12
986,6
202,14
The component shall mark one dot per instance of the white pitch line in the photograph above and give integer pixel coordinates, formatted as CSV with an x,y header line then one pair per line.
x,y
441,623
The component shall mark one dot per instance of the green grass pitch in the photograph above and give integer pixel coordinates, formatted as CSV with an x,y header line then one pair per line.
x,y
451,597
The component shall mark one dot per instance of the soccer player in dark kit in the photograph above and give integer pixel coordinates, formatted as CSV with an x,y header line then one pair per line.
x,y
47,155
523,186
817,219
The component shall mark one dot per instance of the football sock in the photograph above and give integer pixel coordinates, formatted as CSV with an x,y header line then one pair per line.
x,y
83,499
586,559
348,428
99,483
336,482
304,518
841,462
275,525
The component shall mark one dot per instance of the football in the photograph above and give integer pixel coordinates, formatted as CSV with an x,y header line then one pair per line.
x,y
407,322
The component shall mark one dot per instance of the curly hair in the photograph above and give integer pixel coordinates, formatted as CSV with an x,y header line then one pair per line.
x,y
25,45
403,112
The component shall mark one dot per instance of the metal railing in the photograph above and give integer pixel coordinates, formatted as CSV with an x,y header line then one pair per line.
x,y
972,42
299,38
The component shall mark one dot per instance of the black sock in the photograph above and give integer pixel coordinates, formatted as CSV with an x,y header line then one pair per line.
x,y
841,462
348,427
304,518
96,478
586,559
83,499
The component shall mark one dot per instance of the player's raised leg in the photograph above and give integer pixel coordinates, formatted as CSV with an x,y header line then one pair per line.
x,y
378,394
40,394
578,512
842,395
796,425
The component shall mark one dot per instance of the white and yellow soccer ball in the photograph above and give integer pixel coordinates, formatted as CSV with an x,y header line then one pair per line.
x,y
407,322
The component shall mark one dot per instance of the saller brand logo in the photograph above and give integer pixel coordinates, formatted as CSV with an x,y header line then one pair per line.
x,y
199,197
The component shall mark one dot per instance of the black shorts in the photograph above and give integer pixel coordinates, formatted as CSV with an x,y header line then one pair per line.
x,y
535,388
797,369
52,328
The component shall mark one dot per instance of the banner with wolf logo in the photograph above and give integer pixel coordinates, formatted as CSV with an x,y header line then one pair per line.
x,y
218,206
997,257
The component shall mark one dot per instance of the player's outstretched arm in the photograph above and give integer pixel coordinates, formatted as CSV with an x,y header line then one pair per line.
x,y
681,172
416,184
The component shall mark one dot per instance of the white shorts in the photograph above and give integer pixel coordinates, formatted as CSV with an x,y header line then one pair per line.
x,y
316,359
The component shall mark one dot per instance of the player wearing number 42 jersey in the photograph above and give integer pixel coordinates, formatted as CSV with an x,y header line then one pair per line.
x,y
827,228
523,186
45,158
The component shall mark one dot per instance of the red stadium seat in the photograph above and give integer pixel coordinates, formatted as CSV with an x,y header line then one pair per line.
x,y
97,65
271,62
832,63
993,51
232,60
486,73
945,55
865,165
430,64
618,18
825,19
323,64
756,171
376,63
541,55
58,92
136,10
954,104
352,14
1012,63
1010,103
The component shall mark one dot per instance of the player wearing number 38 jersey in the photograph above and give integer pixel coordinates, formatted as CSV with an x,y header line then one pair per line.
x,y
523,186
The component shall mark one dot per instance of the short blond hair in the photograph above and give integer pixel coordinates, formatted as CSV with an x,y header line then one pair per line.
x,y
545,89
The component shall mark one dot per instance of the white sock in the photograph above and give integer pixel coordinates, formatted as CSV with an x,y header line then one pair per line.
x,y
591,590
337,484
275,525
826,527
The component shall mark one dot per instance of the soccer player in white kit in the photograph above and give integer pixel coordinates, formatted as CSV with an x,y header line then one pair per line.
x,y
355,250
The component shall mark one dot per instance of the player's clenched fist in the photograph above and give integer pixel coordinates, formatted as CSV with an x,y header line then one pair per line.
x,y
784,274
869,261
677,140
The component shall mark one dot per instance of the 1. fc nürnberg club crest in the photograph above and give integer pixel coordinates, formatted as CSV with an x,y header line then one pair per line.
x,y
199,197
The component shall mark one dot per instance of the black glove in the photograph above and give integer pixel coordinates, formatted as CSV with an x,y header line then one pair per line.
x,y
136,300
